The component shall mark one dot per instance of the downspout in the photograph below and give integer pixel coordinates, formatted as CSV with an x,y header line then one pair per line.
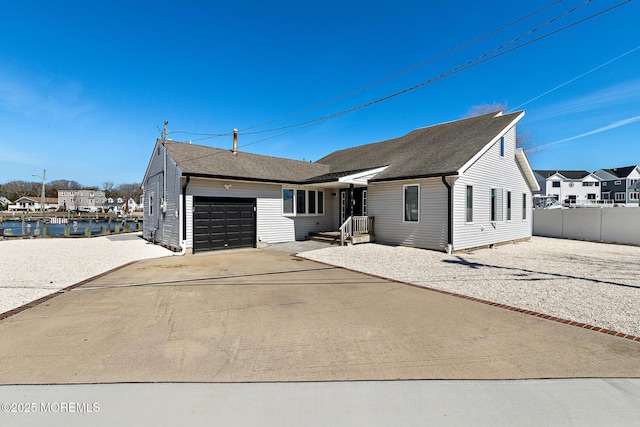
x,y
183,243
449,247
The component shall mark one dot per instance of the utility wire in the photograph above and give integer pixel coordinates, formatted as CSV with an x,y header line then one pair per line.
x,y
470,64
415,67
379,82
495,53
577,77
477,60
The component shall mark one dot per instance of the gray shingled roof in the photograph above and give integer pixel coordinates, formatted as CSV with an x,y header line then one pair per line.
x,y
431,151
569,174
620,172
199,160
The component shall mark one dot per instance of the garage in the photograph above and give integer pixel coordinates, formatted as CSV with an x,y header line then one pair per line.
x,y
223,223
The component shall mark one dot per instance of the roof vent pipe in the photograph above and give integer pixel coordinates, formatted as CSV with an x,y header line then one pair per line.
x,y
235,141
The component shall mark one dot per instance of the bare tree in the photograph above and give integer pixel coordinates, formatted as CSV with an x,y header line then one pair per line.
x,y
127,191
13,190
524,139
108,188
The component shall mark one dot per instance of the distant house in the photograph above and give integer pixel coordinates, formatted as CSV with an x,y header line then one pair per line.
x,y
570,187
114,205
34,204
81,200
452,186
4,202
620,185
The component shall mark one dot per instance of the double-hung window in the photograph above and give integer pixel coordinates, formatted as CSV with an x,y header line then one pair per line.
x,y
411,203
508,205
469,217
496,205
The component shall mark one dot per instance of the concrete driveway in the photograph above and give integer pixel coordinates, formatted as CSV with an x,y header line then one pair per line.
x,y
267,316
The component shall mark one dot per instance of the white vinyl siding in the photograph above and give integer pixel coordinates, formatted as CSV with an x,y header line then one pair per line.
x,y
386,200
491,171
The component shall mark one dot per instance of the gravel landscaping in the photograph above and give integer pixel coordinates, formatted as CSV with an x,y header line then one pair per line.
x,y
33,268
593,283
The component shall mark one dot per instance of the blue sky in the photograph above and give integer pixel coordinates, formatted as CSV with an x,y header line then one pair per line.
x,y
85,85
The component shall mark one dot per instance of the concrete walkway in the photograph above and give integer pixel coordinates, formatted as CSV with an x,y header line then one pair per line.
x,y
578,402
266,316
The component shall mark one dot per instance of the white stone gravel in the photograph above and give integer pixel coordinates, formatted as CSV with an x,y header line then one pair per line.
x,y
33,268
593,283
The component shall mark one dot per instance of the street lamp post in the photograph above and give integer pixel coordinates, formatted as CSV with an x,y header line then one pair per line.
x,y
44,174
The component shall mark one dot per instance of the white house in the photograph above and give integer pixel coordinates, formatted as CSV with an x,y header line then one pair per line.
x,y
452,186
572,187
34,204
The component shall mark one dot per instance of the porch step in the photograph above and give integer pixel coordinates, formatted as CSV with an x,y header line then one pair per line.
x,y
325,236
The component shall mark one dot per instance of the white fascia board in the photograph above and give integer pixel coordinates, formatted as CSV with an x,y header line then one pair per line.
x,y
635,173
591,178
361,177
490,144
521,158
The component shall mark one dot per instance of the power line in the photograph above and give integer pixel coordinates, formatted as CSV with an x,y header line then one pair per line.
x,y
488,56
405,71
577,77
476,61
379,82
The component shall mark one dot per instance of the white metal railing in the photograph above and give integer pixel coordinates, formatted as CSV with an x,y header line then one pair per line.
x,y
355,225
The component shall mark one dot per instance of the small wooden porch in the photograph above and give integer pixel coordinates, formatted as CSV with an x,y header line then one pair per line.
x,y
354,230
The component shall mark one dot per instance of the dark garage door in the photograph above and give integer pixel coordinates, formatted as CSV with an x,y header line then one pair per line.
x,y
223,223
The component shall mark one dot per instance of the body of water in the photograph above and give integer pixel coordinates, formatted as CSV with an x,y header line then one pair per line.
x,y
76,228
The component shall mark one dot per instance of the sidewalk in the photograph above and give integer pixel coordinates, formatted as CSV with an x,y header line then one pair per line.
x,y
581,402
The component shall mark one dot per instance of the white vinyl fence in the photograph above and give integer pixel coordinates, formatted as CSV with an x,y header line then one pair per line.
x,y
618,225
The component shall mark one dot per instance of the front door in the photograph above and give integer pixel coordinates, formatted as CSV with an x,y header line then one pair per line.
x,y
358,199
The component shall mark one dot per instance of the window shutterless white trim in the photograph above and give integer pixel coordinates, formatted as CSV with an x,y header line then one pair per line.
x,y
508,205
633,196
469,205
496,205
502,146
524,206
299,202
620,196
411,205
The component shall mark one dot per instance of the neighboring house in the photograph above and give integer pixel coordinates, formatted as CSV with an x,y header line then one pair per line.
x,y
620,185
570,187
34,204
452,186
4,202
81,200
114,205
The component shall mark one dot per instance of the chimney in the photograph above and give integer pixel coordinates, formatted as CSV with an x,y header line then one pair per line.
x,y
235,141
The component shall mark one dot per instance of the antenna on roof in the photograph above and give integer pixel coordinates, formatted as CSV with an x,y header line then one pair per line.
x,y
164,131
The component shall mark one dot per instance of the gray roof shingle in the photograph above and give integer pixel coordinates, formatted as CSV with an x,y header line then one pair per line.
x,y
569,174
431,151
199,160
620,172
